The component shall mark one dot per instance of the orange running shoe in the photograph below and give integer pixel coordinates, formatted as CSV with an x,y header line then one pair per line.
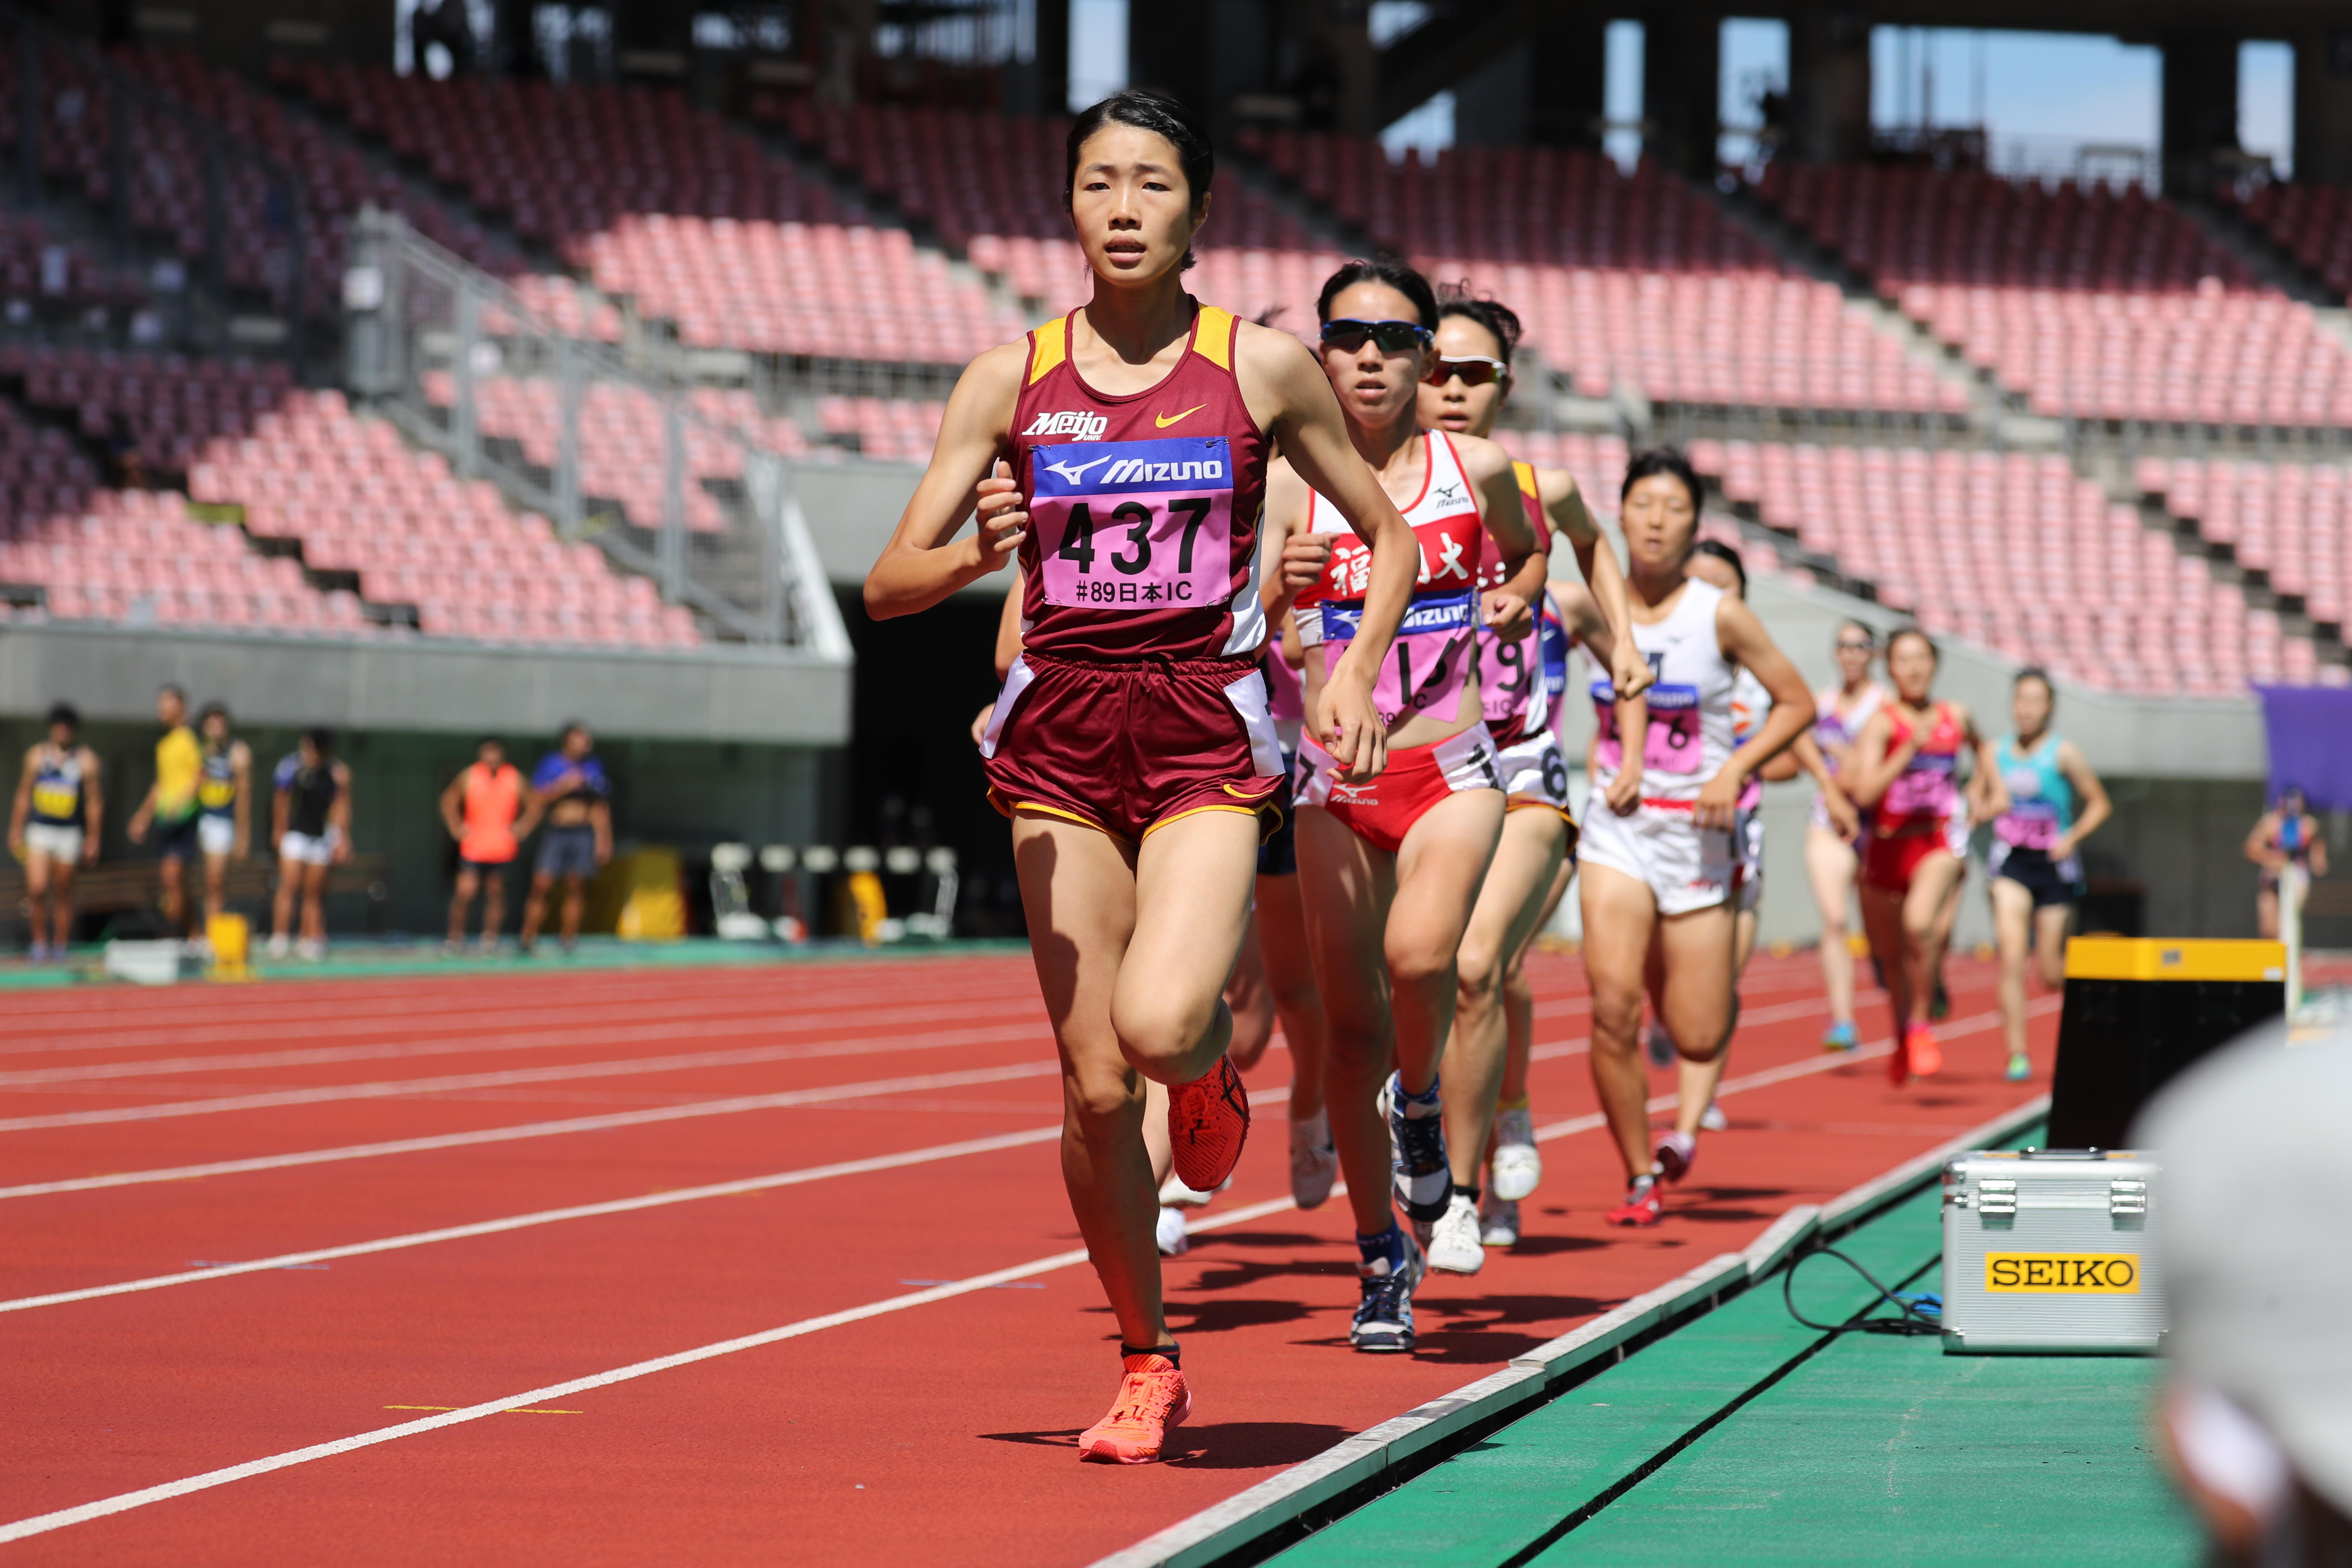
x,y
1927,1056
1208,1122
1152,1398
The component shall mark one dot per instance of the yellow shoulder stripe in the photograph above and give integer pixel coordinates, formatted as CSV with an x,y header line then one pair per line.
x,y
1527,472
1049,345
1212,336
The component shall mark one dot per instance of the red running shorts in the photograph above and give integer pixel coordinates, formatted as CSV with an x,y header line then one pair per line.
x,y
1129,746
1382,812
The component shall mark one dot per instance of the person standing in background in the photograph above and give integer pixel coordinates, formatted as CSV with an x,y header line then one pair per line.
x,y
2285,836
53,825
224,804
570,787
489,813
171,804
311,822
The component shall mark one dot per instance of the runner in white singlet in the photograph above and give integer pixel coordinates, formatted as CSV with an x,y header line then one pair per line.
x,y
1663,866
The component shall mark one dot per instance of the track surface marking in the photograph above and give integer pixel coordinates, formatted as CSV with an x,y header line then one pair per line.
x,y
860,1407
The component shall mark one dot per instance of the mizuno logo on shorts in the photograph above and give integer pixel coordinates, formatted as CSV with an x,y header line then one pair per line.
x,y
1083,424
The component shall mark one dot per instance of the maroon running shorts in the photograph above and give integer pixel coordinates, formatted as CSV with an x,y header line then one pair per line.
x,y
1128,746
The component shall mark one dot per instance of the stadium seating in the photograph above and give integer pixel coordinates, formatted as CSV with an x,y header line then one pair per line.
x,y
2286,520
167,199
2020,554
306,471
2311,223
2095,303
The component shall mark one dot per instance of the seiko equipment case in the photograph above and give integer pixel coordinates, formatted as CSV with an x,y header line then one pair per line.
x,y
2046,1251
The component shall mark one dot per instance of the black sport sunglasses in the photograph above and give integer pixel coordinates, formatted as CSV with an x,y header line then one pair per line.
x,y
1476,370
1348,335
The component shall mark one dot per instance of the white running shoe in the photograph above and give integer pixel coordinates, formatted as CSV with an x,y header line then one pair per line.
x,y
1498,1221
1175,1194
311,949
1314,1161
1713,1120
1174,1242
281,945
1662,1046
1454,1241
1517,1165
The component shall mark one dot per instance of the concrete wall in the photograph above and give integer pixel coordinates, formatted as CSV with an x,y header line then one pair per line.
x,y
682,794
714,693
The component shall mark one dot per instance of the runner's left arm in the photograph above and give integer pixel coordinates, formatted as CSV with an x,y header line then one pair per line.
x,y
93,801
1580,612
1604,574
240,761
1745,642
1509,611
22,809
339,814
1302,413
2096,806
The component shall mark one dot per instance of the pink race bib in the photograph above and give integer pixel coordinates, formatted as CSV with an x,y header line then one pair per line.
x,y
1672,744
1428,666
1143,525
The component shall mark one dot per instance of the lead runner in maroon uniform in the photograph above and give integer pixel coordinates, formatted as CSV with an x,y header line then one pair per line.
x,y
1121,453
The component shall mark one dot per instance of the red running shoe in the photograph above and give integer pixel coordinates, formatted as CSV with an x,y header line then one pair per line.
x,y
1927,1056
1208,1122
1642,1203
1152,1398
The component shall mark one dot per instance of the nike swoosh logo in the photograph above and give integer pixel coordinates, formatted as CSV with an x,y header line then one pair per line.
x,y
1165,420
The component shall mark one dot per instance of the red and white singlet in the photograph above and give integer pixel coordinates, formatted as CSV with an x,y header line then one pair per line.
x,y
1436,643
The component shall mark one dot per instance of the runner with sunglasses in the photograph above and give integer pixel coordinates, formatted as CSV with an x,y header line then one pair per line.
x,y
1389,869
1664,869
1463,396
1120,452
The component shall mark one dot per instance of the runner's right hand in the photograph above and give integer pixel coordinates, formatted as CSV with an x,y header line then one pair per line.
x,y
1350,727
980,723
1304,556
1003,520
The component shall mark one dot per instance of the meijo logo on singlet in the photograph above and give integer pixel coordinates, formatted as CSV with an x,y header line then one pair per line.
x,y
1085,425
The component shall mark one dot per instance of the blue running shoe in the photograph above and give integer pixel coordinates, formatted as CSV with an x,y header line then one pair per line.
x,y
1841,1037
1383,1321
1424,1181
2021,1067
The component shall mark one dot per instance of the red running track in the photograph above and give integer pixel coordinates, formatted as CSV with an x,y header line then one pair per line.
x,y
151,1136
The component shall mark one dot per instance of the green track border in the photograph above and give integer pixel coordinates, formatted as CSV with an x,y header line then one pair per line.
x,y
1254,1524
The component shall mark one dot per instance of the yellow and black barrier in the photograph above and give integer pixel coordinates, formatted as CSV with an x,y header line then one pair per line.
x,y
2137,1011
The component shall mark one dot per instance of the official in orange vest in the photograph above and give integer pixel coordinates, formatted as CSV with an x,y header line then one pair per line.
x,y
489,814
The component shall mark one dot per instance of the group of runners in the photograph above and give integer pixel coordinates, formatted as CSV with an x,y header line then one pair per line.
x,y
1275,739
198,813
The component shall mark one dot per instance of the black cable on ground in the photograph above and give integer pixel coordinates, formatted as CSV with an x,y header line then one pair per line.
x,y
1921,1314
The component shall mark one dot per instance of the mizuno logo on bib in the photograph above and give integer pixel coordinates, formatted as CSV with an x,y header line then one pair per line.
x,y
1141,524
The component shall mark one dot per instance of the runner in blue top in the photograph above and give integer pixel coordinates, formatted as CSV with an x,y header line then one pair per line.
x,y
2048,801
570,786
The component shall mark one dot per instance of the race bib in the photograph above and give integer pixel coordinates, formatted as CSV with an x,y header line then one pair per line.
x,y
1924,788
1429,664
1507,673
1673,744
2028,825
1135,525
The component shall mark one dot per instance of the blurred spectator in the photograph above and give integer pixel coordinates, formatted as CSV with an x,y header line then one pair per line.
x,y
570,786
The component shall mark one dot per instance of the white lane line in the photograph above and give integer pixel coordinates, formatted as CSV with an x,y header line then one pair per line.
x,y
323,1255
549,1029
535,1130
528,1023
41,1524
383,1089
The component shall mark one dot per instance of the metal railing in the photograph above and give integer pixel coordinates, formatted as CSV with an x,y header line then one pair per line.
x,y
562,426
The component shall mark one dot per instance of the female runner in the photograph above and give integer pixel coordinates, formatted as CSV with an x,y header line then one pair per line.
x,y
1131,745
1465,394
1665,869
1389,870
1832,861
1716,563
1905,769
2047,801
